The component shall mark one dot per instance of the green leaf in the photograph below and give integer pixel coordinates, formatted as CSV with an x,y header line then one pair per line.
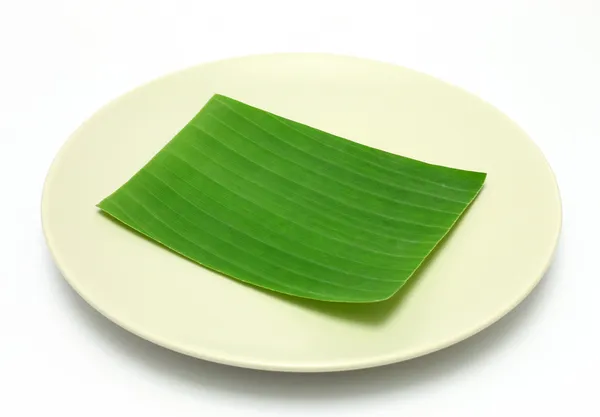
x,y
283,206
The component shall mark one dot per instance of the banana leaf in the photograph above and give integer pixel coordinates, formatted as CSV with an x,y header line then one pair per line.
x,y
283,206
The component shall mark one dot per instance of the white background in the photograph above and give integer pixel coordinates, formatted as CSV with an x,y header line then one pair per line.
x,y
538,61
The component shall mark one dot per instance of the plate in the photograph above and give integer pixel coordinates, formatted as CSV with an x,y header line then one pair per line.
x,y
490,262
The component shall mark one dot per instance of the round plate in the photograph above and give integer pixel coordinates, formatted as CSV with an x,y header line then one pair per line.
x,y
487,265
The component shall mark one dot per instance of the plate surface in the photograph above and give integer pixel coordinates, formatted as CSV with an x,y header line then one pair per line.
x,y
492,260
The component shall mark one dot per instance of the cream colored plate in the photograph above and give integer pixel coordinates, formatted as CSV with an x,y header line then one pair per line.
x,y
492,260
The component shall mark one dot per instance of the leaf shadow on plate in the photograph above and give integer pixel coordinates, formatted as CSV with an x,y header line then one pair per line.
x,y
365,313
378,312
163,366
362,313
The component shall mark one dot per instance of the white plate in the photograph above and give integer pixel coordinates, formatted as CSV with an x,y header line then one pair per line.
x,y
490,262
